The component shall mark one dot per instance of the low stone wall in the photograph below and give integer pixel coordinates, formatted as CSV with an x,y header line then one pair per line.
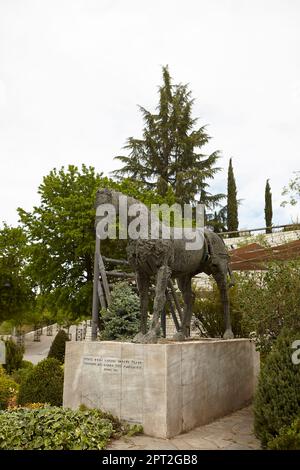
x,y
272,239
169,388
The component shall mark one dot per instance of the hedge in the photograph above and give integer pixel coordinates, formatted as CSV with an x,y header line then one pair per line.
x,y
58,346
277,399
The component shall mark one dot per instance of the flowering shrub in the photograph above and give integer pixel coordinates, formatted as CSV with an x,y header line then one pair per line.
x,y
28,406
8,391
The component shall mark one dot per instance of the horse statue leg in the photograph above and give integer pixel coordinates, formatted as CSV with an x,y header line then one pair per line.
x,y
143,283
185,286
221,280
232,280
162,278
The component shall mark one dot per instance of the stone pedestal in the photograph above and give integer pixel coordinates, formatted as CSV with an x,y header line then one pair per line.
x,y
169,388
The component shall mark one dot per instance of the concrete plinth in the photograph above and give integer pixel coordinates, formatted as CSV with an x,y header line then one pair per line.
x,y
169,388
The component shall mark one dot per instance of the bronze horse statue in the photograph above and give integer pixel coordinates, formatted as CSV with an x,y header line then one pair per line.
x,y
166,258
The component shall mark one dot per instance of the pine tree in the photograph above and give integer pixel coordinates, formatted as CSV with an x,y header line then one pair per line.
x,y
170,151
232,203
268,208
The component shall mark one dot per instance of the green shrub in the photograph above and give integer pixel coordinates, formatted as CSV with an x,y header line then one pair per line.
x,y
8,390
14,356
6,327
122,319
58,346
57,429
288,438
208,309
269,301
2,371
261,304
44,384
21,374
26,365
277,399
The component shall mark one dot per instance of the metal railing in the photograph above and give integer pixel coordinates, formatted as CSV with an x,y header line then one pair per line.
x,y
248,232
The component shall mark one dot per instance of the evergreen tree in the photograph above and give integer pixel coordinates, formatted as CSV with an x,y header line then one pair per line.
x,y
121,320
277,397
58,346
268,208
170,151
232,203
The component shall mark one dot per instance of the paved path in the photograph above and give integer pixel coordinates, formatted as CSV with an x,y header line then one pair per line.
x,y
234,432
36,351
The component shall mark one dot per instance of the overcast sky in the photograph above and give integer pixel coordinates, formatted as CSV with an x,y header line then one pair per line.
x,y
73,71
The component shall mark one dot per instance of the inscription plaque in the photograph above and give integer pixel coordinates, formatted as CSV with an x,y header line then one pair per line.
x,y
114,365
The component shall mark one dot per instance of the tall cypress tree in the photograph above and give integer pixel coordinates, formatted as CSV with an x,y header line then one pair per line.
x,y
232,204
170,152
268,208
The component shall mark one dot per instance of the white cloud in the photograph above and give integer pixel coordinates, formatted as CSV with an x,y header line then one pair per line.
x,y
72,72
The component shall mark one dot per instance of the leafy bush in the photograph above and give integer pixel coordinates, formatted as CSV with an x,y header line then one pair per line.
x,y
44,384
6,327
14,356
26,365
21,374
261,304
8,390
288,438
122,319
208,309
53,428
277,399
269,301
58,346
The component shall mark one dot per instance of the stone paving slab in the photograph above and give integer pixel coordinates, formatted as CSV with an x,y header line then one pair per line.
x,y
233,432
